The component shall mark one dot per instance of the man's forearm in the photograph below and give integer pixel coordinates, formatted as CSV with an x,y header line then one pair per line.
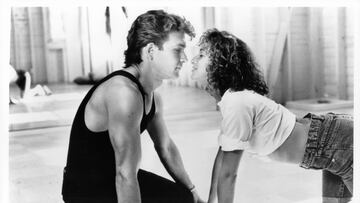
x,y
172,161
127,190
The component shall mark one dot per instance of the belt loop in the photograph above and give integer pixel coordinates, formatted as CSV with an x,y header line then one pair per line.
x,y
308,115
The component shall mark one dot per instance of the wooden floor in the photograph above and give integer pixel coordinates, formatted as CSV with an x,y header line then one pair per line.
x,y
39,133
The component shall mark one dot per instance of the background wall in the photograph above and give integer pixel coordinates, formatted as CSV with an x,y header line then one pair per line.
x,y
305,52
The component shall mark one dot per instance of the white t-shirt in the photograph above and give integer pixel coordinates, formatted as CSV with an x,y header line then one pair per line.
x,y
253,122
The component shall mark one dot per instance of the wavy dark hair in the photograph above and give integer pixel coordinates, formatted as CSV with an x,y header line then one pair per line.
x,y
232,65
154,26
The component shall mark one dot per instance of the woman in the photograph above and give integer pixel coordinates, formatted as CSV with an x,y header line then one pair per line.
x,y
23,81
255,123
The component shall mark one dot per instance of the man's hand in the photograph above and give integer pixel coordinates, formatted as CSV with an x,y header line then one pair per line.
x,y
196,197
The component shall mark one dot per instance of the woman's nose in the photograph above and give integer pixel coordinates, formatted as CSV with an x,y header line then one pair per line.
x,y
193,60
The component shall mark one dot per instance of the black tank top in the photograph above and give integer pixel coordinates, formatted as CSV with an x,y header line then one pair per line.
x,y
90,167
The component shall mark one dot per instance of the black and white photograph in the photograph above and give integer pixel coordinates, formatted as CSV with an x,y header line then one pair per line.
x,y
169,102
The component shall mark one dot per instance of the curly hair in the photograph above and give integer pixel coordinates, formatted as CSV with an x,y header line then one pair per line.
x,y
154,26
232,65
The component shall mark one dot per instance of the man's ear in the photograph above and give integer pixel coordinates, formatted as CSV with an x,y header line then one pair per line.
x,y
149,50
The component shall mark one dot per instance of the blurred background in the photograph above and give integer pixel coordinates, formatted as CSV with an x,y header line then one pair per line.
x,y
306,54
309,51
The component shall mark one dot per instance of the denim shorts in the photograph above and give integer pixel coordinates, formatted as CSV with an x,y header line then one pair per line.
x,y
329,147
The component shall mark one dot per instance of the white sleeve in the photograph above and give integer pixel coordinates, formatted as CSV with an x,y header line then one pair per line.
x,y
236,127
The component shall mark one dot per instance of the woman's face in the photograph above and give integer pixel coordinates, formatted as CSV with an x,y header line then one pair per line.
x,y
200,63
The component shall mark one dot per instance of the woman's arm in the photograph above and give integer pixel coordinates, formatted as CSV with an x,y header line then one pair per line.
x,y
215,176
227,175
224,176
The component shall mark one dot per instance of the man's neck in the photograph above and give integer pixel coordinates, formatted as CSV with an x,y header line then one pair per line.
x,y
147,79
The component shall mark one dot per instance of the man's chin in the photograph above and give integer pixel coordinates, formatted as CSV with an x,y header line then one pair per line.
x,y
175,75
171,77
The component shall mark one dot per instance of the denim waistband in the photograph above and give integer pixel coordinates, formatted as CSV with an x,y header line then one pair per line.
x,y
319,126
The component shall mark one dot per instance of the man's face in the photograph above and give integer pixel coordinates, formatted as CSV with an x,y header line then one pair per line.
x,y
169,60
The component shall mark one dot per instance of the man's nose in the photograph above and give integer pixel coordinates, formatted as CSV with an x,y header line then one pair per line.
x,y
183,58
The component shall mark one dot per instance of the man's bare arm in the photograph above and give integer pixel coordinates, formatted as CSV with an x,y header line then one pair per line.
x,y
124,117
167,150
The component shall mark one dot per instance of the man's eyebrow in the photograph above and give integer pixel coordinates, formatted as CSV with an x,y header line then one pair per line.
x,y
203,50
182,45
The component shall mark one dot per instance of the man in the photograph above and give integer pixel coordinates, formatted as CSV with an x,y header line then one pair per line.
x,y
104,150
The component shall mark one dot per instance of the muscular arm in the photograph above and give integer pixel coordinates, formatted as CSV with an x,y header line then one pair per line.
x,y
224,176
124,117
166,148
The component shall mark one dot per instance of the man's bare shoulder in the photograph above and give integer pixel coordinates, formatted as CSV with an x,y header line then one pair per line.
x,y
123,94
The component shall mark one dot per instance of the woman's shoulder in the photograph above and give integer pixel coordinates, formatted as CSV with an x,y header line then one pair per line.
x,y
244,95
246,98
